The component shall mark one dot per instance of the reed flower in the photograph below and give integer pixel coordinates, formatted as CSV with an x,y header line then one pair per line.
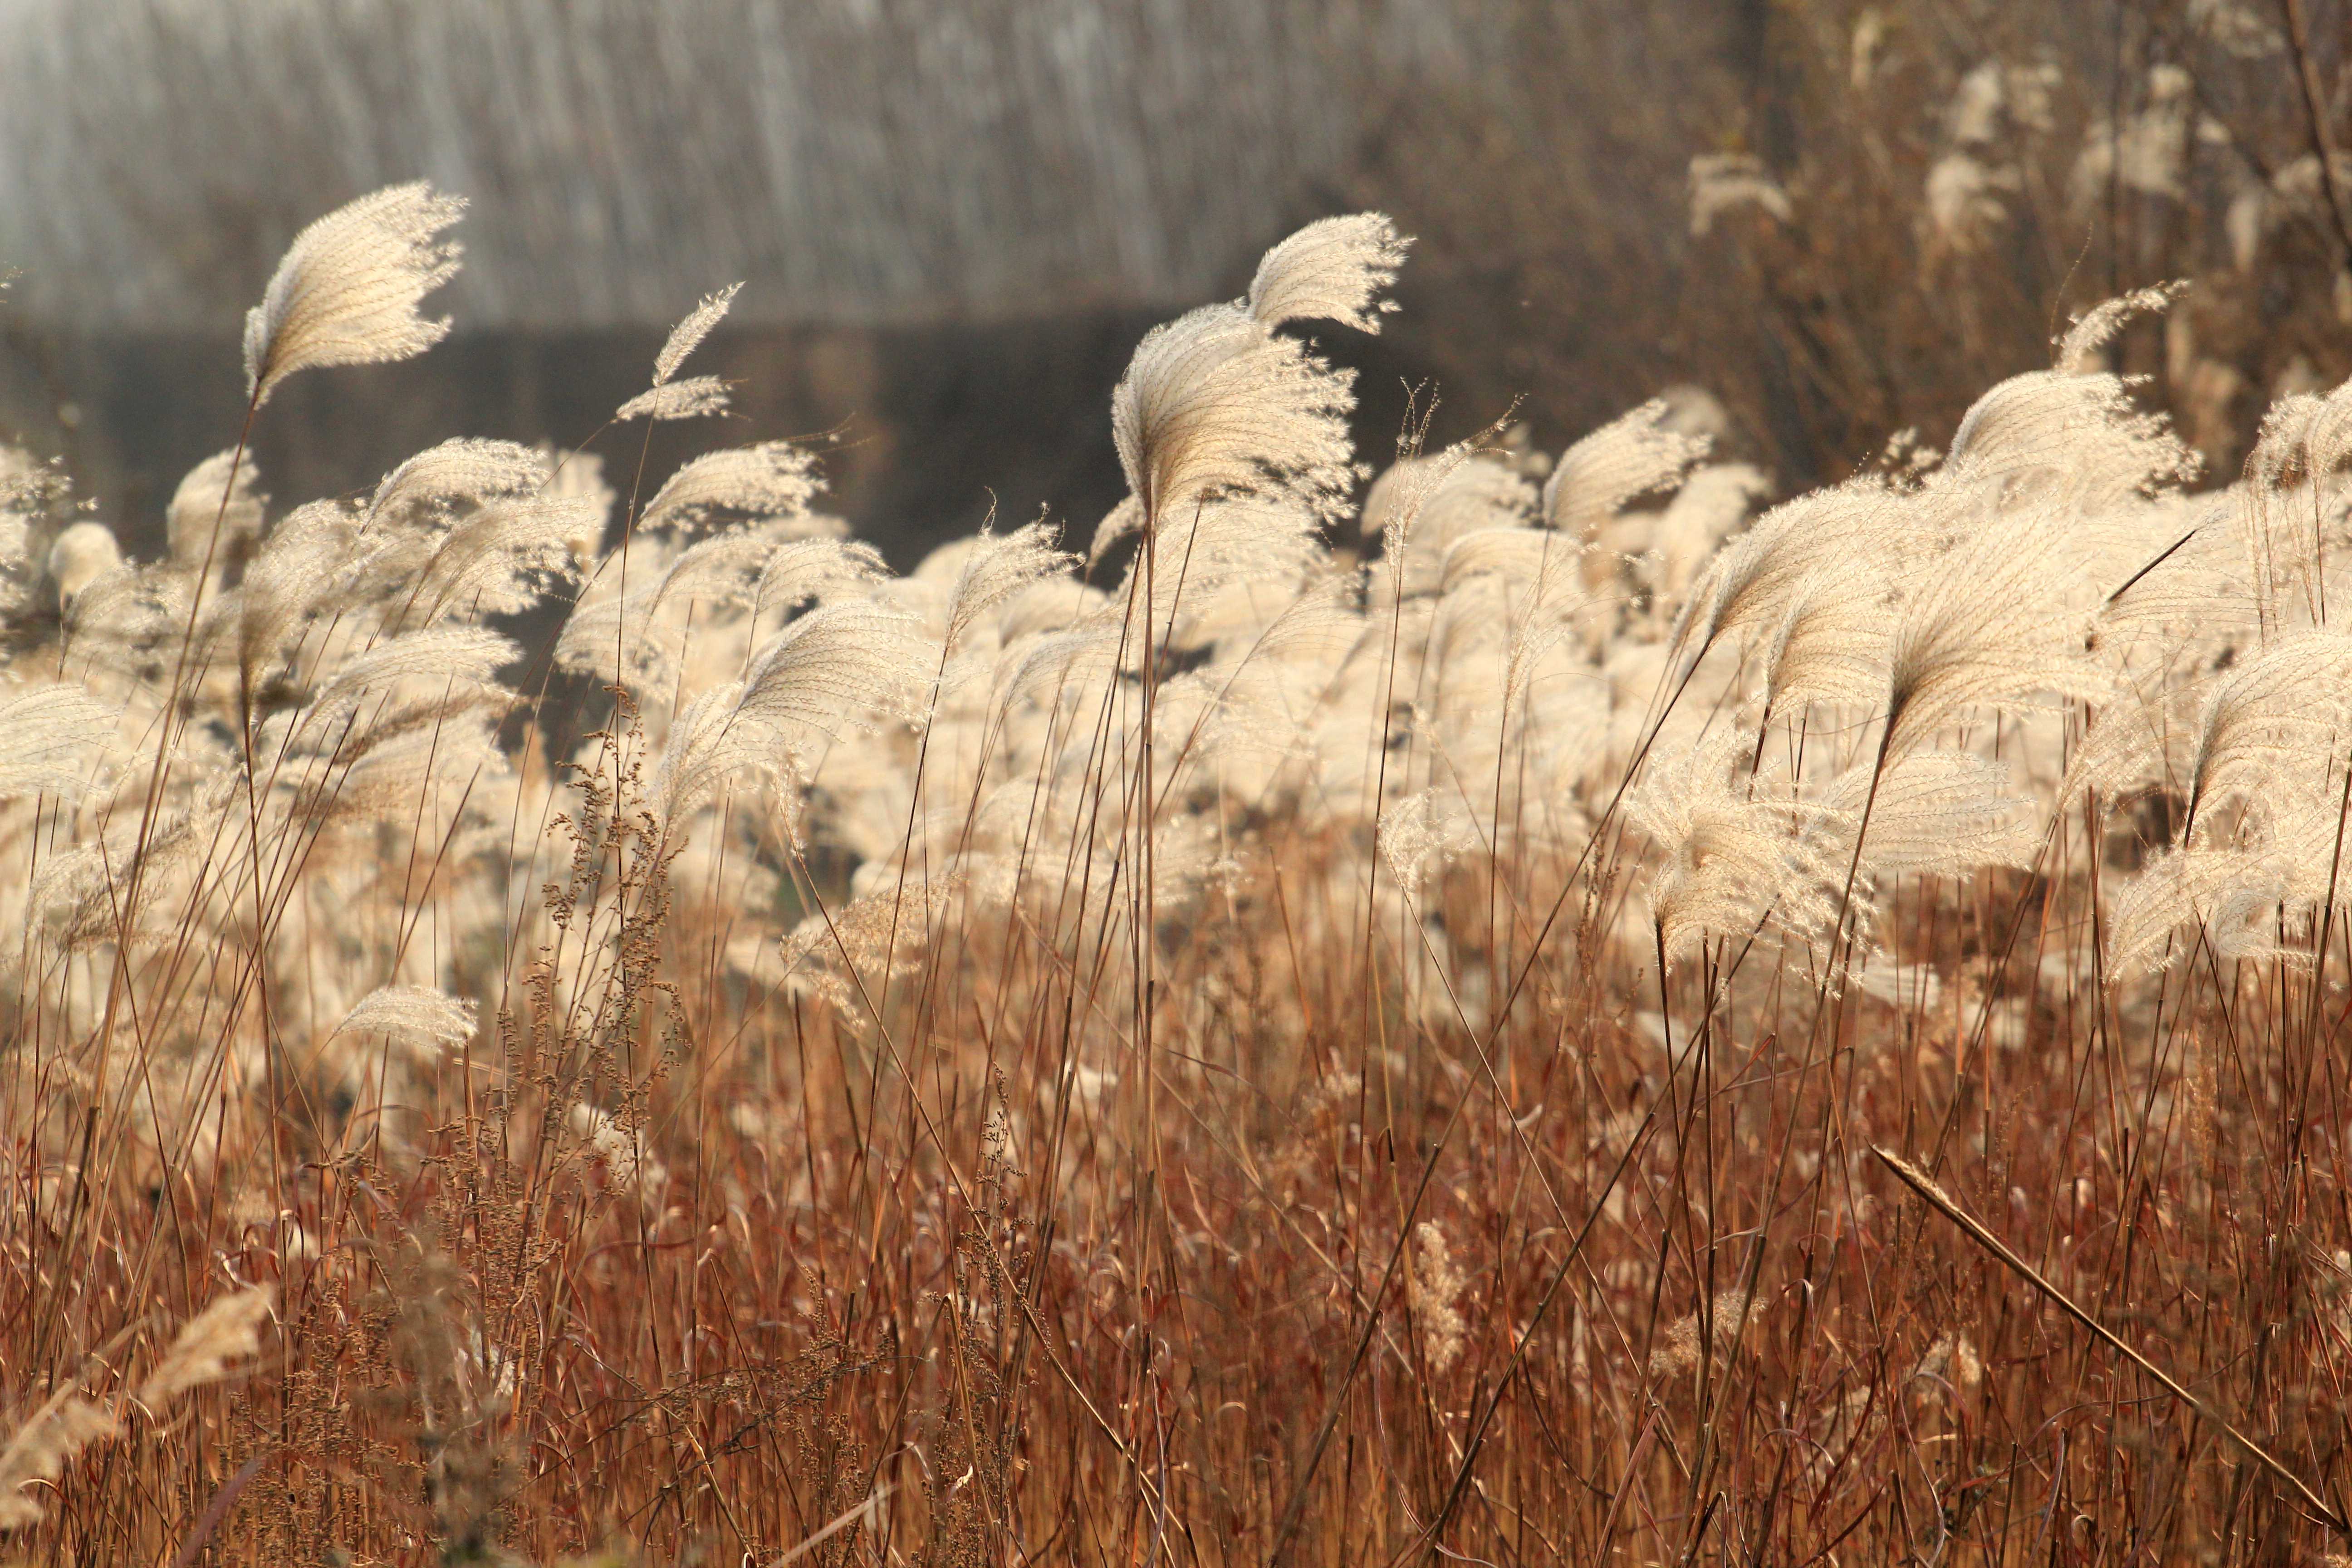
x,y
348,289
42,1446
696,396
227,1331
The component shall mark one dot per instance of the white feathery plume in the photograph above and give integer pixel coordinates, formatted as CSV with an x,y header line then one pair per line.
x,y
1318,621
1048,605
692,398
720,571
1237,564
2096,327
1713,500
80,556
445,656
1067,663
740,570
1830,644
41,1448
42,730
1213,402
2288,708
1424,833
1752,581
499,559
435,738
226,1332
1253,548
996,567
1728,858
1984,626
687,335
805,569
610,626
1262,698
188,520
835,664
349,287
580,475
2078,438
773,480
2300,825
1630,455
2226,895
1534,558
1217,402
710,740
1471,617
1117,524
2073,429
433,750
2282,523
1458,493
294,576
66,904
1403,497
1533,590
2188,581
1487,642
2294,498
1331,270
890,921
1441,500
2135,741
1242,589
421,1021
464,469
80,898
2328,435
1942,812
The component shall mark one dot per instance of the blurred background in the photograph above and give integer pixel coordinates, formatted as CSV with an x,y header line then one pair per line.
x,y
1825,223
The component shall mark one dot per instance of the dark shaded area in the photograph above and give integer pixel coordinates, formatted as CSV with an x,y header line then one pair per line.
x,y
928,429
920,422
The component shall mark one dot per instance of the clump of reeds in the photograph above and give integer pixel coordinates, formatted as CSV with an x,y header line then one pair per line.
x,y
1224,1047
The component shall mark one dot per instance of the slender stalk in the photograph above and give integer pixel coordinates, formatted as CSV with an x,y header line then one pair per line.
x,y
127,911
1933,1197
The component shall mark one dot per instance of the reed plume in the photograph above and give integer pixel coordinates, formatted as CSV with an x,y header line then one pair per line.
x,y
348,289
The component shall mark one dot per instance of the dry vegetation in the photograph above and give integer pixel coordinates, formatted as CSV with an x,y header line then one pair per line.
x,y
1342,1025
1892,205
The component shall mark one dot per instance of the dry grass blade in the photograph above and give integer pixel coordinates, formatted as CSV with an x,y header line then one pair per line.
x,y
1919,1182
864,1512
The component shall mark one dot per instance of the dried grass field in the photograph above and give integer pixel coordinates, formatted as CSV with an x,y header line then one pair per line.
x,y
1460,1004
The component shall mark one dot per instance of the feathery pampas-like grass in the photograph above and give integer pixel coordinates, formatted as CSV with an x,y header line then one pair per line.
x,y
348,289
1357,1037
